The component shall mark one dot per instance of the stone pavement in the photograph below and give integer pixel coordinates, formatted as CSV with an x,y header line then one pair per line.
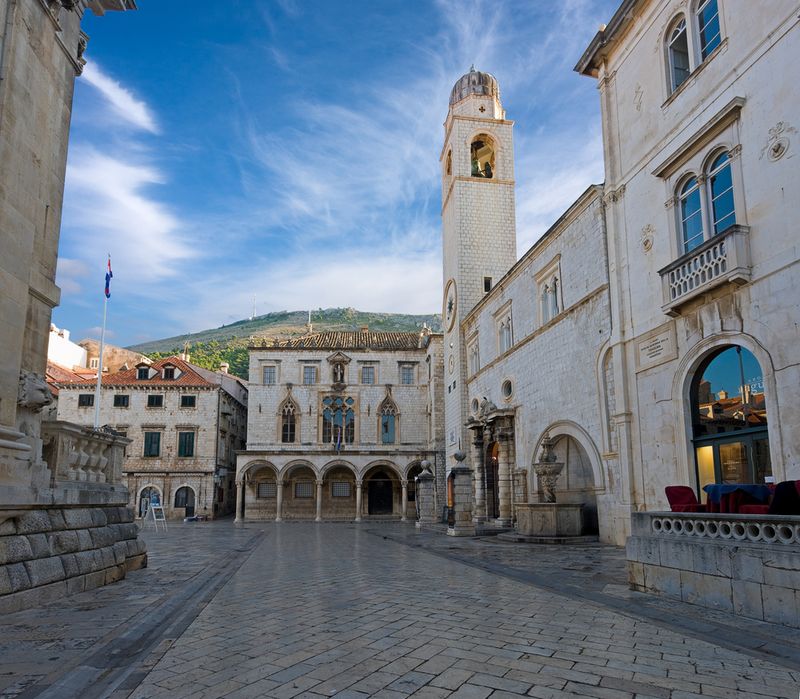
x,y
320,610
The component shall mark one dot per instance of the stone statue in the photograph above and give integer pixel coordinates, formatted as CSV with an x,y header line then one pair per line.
x,y
547,470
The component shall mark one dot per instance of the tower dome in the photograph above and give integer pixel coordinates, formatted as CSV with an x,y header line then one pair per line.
x,y
474,83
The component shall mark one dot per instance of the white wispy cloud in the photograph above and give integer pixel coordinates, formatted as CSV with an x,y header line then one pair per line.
x,y
119,99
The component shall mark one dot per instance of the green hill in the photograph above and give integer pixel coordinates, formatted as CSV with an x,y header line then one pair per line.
x,y
229,343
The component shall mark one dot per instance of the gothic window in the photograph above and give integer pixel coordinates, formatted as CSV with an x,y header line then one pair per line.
x,y
706,204
338,420
708,29
388,418
729,418
288,422
506,334
678,53
482,156
474,357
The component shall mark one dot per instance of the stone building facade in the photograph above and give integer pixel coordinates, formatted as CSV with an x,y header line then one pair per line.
x,y
701,197
57,535
339,425
184,423
652,331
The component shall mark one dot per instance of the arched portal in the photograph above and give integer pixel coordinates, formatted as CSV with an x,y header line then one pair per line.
x,y
339,492
729,418
300,492
576,482
149,495
185,499
382,490
261,491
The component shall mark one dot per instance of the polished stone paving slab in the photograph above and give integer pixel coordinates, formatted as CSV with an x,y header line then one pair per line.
x,y
320,610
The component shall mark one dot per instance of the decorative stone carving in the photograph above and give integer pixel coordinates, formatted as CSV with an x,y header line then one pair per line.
x,y
648,233
547,470
777,141
33,393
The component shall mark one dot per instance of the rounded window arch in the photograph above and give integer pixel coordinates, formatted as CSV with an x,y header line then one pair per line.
x,y
690,212
729,418
482,156
184,497
720,191
677,43
448,164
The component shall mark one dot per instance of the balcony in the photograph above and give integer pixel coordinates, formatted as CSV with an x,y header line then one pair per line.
x,y
723,259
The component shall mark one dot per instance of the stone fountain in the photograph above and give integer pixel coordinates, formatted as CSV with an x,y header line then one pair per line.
x,y
548,521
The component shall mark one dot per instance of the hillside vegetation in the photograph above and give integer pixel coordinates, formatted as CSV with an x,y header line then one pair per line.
x,y
228,343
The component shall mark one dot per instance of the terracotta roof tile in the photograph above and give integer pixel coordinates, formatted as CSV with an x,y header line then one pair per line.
x,y
346,340
190,376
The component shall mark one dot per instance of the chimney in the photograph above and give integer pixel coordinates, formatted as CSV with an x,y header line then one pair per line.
x,y
364,329
224,366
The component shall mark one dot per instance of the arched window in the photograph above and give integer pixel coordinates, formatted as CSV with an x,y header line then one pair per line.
x,y
338,420
482,157
720,181
706,204
448,168
708,27
678,55
691,214
288,422
729,419
388,418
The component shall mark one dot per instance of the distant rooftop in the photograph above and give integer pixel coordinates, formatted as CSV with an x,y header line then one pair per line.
x,y
355,340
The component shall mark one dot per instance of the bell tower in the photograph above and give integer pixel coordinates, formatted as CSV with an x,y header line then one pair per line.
x,y
478,225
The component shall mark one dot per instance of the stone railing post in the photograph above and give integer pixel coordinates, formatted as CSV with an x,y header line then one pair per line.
x,y
462,499
426,504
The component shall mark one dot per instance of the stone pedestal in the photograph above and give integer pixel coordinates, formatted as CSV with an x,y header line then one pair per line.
x,y
549,519
426,504
462,503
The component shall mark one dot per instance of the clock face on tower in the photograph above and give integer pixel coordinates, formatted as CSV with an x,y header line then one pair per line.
x,y
450,302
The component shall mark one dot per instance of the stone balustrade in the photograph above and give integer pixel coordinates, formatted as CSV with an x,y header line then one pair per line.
x,y
748,565
725,258
85,465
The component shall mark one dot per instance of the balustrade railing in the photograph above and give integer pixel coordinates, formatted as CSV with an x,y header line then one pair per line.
x,y
756,529
723,259
81,454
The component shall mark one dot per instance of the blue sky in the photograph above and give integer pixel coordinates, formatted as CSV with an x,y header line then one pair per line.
x,y
289,150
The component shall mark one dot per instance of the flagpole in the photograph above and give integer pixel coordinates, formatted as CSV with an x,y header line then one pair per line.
x,y
106,296
100,367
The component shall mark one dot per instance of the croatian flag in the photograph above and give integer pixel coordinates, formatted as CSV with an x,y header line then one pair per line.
x,y
109,274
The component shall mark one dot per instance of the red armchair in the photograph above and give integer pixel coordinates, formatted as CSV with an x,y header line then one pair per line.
x,y
682,498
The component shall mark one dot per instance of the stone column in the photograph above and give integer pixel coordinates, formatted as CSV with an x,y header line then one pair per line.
x,y
239,501
279,501
359,500
403,500
462,506
319,501
504,478
478,459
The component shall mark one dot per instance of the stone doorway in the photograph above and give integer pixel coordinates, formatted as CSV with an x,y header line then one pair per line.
x,y
492,475
380,495
184,497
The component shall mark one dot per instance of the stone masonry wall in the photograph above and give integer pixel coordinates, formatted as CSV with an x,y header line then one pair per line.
x,y
46,554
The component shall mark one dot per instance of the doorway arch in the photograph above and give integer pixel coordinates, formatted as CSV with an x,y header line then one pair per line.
x,y
185,499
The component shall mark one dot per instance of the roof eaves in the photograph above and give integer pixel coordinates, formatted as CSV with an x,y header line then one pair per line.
x,y
587,65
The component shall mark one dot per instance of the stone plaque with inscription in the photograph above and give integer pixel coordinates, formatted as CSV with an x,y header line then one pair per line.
x,y
656,347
